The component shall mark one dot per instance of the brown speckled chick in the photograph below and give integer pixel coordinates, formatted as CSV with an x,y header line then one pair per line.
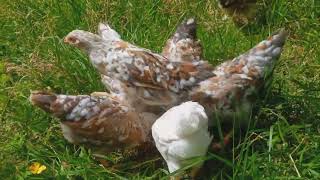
x,y
99,121
238,83
155,81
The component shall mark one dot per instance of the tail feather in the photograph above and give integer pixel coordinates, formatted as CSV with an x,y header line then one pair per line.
x,y
184,45
96,120
267,51
258,61
67,107
187,29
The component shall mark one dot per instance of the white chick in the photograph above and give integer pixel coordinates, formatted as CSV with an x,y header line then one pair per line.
x,y
182,133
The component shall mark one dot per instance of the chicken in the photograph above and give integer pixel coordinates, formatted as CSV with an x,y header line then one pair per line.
x,y
79,122
238,83
182,133
241,11
156,82
99,121
184,45
147,84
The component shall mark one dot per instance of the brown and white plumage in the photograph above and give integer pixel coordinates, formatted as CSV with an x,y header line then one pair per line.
x,y
137,66
144,84
130,103
153,77
238,83
100,121
184,45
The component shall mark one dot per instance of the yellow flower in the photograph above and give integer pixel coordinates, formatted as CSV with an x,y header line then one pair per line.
x,y
37,168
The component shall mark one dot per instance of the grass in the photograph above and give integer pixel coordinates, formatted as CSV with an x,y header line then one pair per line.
x,y
283,143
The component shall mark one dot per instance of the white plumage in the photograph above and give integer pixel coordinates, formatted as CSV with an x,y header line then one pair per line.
x,y
182,133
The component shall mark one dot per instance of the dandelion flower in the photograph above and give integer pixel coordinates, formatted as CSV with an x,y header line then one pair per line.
x,y
37,168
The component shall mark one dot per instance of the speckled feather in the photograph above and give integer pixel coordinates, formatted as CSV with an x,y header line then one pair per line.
x,y
151,78
184,45
100,122
237,84
137,66
108,121
143,85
